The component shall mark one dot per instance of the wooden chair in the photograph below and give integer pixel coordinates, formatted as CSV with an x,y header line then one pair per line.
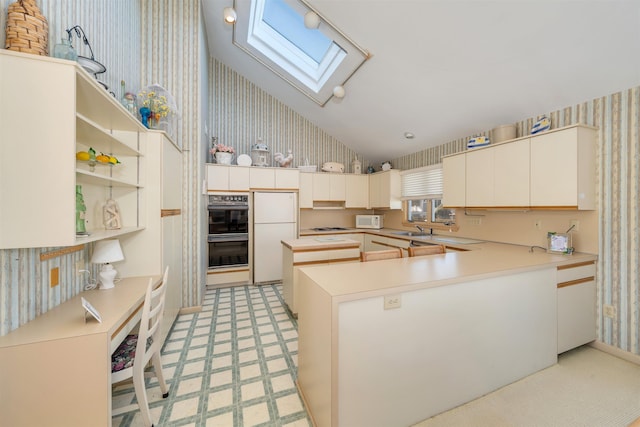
x,y
426,250
378,255
132,356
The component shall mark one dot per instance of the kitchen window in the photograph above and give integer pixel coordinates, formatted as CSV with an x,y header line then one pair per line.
x,y
422,196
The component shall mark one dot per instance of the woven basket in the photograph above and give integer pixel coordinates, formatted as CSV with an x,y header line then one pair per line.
x,y
27,29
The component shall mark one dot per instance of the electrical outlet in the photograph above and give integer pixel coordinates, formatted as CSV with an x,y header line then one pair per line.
x,y
575,224
538,224
54,277
392,301
609,311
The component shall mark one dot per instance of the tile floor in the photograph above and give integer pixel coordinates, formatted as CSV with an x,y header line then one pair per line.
x,y
233,364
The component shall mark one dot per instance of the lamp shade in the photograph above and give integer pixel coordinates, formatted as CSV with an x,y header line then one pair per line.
x,y
107,251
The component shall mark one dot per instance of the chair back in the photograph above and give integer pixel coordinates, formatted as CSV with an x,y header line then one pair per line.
x,y
152,313
426,250
378,255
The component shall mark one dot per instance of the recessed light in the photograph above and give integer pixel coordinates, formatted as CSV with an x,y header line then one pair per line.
x,y
409,135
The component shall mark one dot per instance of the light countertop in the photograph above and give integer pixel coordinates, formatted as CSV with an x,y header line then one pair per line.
x,y
484,260
320,243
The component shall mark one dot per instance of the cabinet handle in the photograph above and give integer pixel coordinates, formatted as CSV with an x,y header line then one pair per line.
x,y
576,282
580,264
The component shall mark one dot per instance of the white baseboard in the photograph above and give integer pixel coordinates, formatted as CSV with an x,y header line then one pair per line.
x,y
615,351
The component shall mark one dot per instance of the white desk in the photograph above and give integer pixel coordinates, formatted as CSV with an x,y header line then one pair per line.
x,y
56,369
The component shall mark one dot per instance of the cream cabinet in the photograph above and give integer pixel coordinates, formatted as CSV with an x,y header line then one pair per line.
x,y
373,242
245,178
454,177
576,305
384,190
329,187
563,169
554,170
498,176
227,178
160,245
305,198
51,109
274,178
356,191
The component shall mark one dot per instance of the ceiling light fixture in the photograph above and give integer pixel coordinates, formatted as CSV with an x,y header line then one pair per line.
x,y
229,14
338,92
409,135
311,20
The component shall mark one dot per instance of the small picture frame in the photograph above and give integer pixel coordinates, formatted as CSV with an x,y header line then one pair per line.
x,y
91,310
559,243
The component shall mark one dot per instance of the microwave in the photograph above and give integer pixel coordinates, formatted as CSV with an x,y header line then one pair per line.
x,y
369,221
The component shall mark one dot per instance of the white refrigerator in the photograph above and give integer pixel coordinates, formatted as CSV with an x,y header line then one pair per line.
x,y
275,218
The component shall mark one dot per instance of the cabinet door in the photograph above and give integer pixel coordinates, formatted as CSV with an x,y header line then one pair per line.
x,y
511,174
356,191
287,179
337,187
218,177
554,169
305,194
321,186
239,178
375,243
576,315
262,178
479,177
454,185
384,190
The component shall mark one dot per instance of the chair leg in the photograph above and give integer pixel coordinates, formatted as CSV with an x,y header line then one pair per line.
x,y
141,395
157,367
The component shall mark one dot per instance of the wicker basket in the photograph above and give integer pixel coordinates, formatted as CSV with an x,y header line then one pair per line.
x,y
27,29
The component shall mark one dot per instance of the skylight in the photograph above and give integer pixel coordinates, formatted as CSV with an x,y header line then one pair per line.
x,y
312,60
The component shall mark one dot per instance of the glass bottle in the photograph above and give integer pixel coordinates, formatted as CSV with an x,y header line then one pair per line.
x,y
64,50
81,209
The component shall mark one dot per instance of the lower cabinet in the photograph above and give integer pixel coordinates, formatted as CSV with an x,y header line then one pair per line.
x,y
576,305
380,243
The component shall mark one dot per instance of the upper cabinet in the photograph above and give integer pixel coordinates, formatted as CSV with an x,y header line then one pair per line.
x,y
563,169
499,176
50,110
329,187
356,191
384,190
244,178
554,170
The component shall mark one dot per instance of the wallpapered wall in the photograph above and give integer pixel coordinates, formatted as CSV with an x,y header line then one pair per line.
x,y
617,118
171,55
141,42
112,28
241,113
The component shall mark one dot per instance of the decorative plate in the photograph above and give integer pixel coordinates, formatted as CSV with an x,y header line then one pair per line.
x,y
244,160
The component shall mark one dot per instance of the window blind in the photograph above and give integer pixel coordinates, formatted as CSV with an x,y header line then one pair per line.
x,y
422,183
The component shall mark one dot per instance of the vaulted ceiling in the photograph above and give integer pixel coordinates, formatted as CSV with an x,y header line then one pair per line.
x,y
447,69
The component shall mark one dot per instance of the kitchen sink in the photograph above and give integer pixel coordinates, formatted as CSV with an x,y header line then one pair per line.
x,y
407,233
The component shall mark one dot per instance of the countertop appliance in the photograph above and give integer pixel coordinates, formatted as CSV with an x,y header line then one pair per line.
x,y
275,218
369,221
228,230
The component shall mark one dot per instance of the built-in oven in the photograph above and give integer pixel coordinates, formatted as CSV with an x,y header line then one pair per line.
x,y
228,234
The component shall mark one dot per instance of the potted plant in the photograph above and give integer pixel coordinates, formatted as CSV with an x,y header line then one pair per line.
x,y
223,153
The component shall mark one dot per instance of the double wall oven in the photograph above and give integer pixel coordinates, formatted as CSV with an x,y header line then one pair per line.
x,y
228,237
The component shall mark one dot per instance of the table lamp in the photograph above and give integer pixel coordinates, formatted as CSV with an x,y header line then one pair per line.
x,y
105,252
